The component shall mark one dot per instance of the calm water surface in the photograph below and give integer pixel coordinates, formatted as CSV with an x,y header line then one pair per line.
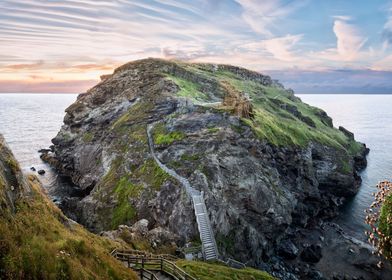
x,y
29,122
370,118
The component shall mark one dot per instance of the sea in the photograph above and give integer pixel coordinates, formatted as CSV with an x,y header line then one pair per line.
x,y
29,122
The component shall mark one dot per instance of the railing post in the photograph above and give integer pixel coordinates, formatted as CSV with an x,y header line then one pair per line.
x,y
161,263
142,262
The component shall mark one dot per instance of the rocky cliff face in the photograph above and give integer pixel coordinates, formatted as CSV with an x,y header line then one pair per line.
x,y
13,185
267,163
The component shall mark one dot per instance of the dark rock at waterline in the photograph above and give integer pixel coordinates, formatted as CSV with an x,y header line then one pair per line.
x,y
32,168
311,253
43,151
41,172
360,160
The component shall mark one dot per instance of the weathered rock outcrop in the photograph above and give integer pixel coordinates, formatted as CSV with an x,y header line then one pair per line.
x,y
274,165
13,185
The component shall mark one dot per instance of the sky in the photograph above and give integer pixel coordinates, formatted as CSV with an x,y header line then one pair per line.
x,y
312,46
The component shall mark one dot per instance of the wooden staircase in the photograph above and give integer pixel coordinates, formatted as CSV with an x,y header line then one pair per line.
x,y
150,266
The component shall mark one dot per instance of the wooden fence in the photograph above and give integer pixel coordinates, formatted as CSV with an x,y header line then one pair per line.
x,y
144,261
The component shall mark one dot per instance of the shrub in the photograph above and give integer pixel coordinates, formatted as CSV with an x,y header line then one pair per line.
x,y
380,220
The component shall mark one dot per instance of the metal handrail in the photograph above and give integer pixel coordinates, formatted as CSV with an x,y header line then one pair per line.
x,y
152,263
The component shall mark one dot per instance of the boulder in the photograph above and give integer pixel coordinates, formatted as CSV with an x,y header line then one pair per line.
x,y
311,253
288,250
41,172
140,227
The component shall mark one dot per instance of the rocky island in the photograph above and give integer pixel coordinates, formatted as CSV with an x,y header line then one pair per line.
x,y
271,169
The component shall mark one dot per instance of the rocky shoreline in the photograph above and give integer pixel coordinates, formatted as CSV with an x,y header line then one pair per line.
x,y
268,202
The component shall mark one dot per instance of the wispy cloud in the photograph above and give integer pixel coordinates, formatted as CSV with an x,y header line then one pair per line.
x,y
342,17
78,40
348,51
263,15
387,32
349,40
282,47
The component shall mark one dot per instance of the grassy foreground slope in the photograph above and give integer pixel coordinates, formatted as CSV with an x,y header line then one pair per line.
x,y
38,242
209,271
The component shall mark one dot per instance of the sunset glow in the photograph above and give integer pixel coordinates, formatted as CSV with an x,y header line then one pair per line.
x,y
64,46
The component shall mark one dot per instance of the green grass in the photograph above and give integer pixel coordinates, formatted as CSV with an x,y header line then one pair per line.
x,y
213,129
271,122
189,157
88,137
281,128
152,174
126,187
163,137
125,211
129,126
189,89
214,271
385,224
169,138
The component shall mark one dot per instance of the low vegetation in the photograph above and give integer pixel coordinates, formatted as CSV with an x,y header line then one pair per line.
x,y
278,116
189,89
379,219
216,271
88,137
124,210
164,137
